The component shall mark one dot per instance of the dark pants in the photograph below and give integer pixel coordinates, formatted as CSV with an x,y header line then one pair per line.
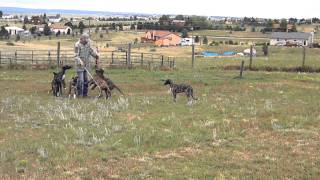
x,y
82,84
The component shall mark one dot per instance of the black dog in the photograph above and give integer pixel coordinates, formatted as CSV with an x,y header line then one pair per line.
x,y
105,84
58,81
180,88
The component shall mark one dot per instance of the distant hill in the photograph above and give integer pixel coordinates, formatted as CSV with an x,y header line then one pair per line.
x,y
18,10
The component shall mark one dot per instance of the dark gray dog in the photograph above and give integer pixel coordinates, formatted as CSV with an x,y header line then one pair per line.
x,y
180,88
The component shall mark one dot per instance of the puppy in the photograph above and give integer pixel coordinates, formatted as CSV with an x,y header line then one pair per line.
x,y
73,87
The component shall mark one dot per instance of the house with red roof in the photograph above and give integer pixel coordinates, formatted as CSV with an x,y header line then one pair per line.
x,y
161,38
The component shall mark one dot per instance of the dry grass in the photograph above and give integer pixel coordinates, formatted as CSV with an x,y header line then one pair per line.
x,y
265,125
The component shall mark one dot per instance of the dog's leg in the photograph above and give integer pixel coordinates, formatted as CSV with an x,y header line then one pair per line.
x,y
107,94
174,97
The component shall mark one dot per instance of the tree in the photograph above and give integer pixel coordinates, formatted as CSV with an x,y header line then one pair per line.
x,y
18,38
265,50
97,30
294,28
205,40
81,27
136,41
283,24
58,33
3,32
46,30
69,24
25,20
179,17
164,19
197,39
1,14
33,30
184,33
24,27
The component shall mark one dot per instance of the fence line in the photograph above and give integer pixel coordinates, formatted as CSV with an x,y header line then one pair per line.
x,y
50,58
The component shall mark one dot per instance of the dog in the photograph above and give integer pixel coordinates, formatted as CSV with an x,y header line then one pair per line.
x,y
180,88
73,87
59,81
104,84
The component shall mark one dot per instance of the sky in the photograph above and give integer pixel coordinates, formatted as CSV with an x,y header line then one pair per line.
x,y
233,8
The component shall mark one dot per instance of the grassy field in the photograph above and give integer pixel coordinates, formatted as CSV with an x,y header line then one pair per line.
x,y
264,126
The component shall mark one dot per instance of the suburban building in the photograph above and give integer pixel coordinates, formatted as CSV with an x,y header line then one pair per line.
x,y
187,42
291,39
179,23
54,19
7,16
161,38
60,27
14,30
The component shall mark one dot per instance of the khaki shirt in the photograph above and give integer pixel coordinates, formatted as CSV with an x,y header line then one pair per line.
x,y
84,53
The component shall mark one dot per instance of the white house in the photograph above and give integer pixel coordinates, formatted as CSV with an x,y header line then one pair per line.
x,y
7,16
291,38
187,41
14,30
54,19
60,27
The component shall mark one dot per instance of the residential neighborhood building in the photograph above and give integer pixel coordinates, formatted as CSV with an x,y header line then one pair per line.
x,y
291,39
60,27
162,38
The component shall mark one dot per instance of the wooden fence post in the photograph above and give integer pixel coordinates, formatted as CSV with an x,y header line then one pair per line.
x,y
304,57
0,59
241,69
32,57
251,56
49,59
141,59
58,55
162,58
129,56
112,57
193,55
16,56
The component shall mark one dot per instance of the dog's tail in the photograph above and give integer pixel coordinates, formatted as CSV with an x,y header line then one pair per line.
x,y
119,90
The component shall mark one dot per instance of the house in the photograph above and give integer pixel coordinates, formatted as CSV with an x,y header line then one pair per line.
x,y
179,23
161,38
15,30
54,19
7,16
37,20
291,39
60,27
187,41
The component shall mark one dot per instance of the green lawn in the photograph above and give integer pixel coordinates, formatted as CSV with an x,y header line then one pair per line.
x,y
265,125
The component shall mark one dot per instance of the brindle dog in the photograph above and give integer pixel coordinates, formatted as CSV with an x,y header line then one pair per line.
x,y
180,88
73,87
58,81
105,84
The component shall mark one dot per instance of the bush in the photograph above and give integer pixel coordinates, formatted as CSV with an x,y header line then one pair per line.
x,y
10,44
153,50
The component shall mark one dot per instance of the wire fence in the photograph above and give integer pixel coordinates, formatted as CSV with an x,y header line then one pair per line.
x,y
45,59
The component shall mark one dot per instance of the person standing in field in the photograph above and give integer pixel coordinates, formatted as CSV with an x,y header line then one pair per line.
x,y
83,53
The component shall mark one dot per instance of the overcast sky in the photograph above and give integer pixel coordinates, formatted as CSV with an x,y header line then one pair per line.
x,y
238,8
